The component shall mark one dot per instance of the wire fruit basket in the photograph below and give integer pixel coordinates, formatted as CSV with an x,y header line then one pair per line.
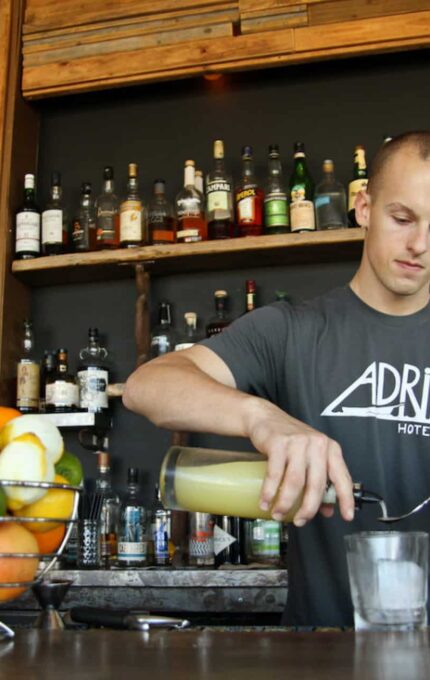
x,y
49,559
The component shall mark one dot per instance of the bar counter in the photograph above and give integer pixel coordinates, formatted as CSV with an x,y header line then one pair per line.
x,y
209,655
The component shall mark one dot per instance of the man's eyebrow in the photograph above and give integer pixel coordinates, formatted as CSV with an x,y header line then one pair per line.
x,y
400,206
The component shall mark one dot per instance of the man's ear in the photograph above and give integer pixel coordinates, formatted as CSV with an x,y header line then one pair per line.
x,y
362,209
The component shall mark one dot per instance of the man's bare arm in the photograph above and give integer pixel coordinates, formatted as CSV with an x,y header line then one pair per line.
x,y
195,390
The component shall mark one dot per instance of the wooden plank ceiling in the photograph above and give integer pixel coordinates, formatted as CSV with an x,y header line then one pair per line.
x,y
77,45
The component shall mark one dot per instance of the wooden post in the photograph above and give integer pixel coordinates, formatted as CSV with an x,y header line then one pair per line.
x,y
142,323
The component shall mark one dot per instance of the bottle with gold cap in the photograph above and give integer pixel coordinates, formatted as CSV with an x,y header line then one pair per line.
x,y
191,221
219,197
132,222
109,516
358,182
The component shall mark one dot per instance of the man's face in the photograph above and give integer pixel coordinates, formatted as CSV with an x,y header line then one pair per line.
x,y
396,258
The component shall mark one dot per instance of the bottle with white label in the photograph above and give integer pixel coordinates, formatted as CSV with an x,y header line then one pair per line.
x,y
61,394
28,374
302,214
132,215
358,182
219,197
133,537
107,213
54,223
191,221
27,224
93,375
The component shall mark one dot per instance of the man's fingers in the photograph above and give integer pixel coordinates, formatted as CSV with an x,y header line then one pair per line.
x,y
338,474
316,482
291,486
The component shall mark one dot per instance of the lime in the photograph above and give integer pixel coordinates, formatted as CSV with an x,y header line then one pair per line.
x,y
70,467
3,501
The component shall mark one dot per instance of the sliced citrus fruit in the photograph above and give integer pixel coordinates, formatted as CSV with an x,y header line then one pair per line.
x,y
56,503
48,433
25,459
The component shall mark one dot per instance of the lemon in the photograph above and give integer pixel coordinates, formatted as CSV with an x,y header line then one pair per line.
x,y
25,459
56,503
47,432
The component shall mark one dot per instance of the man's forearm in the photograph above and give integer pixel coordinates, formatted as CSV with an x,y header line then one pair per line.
x,y
175,394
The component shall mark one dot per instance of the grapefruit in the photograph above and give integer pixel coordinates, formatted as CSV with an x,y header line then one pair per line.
x,y
15,538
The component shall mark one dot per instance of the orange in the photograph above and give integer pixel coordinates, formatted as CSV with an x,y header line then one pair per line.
x,y
7,413
50,541
15,538
56,503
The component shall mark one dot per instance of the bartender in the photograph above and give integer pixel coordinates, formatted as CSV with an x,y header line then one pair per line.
x,y
336,389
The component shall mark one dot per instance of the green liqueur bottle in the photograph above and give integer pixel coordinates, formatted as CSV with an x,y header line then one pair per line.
x,y
302,214
276,213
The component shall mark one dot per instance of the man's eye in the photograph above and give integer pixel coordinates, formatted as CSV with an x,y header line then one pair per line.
x,y
401,220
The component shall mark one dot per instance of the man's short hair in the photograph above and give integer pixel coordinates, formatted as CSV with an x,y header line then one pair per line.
x,y
420,140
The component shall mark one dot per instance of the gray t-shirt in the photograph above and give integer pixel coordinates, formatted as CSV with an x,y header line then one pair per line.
x,y
363,378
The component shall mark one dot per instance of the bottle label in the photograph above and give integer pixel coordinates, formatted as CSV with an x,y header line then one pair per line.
x,y
52,226
222,539
246,205
93,384
62,394
27,232
160,536
162,235
28,385
160,344
183,345
201,537
130,224
354,188
276,210
302,216
132,550
218,199
188,207
266,538
188,235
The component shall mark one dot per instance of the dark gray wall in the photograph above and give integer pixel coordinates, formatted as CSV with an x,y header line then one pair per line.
x,y
331,106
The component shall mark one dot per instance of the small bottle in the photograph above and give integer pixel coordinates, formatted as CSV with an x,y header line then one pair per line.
x,y
83,237
190,210
200,540
62,393
189,337
161,529
163,338
330,200
28,374
219,197
132,532
276,212
109,515
161,218
132,222
27,231
358,182
249,198
54,222
251,295
302,214
199,183
266,539
107,213
93,375
48,368
220,320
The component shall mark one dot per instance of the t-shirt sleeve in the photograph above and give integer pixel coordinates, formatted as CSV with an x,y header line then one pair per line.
x,y
253,347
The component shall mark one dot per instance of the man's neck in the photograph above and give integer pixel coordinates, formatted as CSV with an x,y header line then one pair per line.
x,y
385,301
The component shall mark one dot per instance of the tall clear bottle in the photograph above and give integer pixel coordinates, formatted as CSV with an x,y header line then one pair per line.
x,y
93,374
47,370
83,236
28,374
219,197
27,223
276,211
132,218
190,210
302,214
107,213
163,337
161,527
133,541
249,198
54,220
109,516
161,216
358,182
330,200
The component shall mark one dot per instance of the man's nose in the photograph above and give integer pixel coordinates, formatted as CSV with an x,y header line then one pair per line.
x,y
419,240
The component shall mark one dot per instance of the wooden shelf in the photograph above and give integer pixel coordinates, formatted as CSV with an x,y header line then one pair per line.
x,y
279,249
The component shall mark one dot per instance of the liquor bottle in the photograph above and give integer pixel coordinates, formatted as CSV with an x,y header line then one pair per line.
x,y
107,213
200,540
330,200
132,222
109,515
302,213
199,183
54,221
357,184
62,394
251,295
132,532
249,198
48,368
161,529
276,212
27,232
28,374
266,540
220,320
228,540
84,233
161,218
189,209
163,338
93,375
190,332
219,197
